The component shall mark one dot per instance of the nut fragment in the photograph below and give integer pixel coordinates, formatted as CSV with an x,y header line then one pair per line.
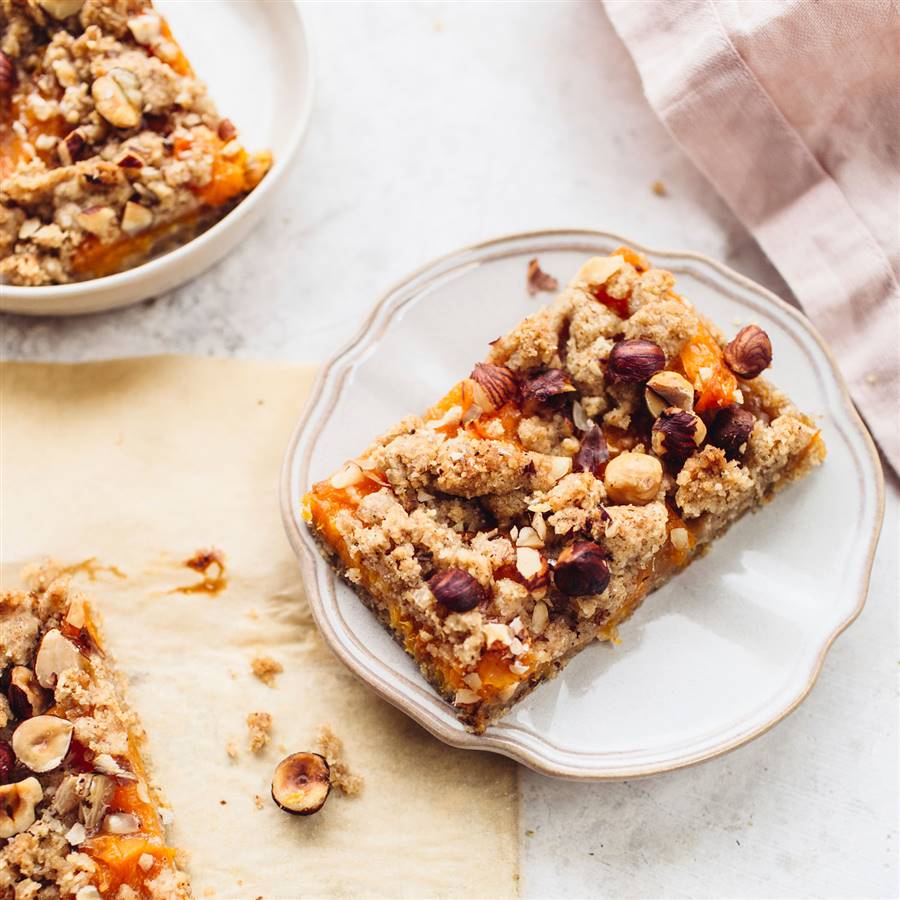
x,y
41,743
730,430
581,570
226,130
598,270
667,389
121,823
55,655
538,280
301,783
749,353
26,697
7,761
677,434
532,566
539,617
136,218
118,98
96,791
97,220
347,476
631,362
547,390
633,478
17,805
593,453
146,28
72,147
61,9
456,589
497,383
7,75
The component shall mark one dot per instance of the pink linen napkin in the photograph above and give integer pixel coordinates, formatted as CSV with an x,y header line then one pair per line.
x,y
792,110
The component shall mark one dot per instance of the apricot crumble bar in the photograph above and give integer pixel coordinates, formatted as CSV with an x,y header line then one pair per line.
x,y
605,441
78,816
111,150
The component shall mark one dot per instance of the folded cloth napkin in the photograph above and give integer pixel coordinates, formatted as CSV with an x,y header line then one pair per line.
x,y
792,110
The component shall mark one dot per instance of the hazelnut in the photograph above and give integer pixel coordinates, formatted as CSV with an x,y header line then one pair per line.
x,y
731,429
593,453
61,9
97,220
96,792
146,28
118,98
55,655
121,823
7,75
301,784
26,697
633,478
7,762
538,280
135,218
677,434
41,743
667,389
749,353
598,270
226,130
532,566
17,805
632,362
497,383
581,570
456,590
547,390
129,160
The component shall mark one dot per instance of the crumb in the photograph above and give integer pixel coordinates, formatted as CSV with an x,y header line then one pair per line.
x,y
209,892
529,832
871,378
260,725
203,559
265,669
258,801
223,803
659,188
231,749
332,748
252,614
538,280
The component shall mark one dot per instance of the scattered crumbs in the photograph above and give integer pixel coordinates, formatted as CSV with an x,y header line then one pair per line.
x,y
265,669
737,842
590,853
659,188
223,803
240,882
260,402
252,614
260,726
209,892
257,801
529,832
871,378
211,565
538,280
231,749
332,748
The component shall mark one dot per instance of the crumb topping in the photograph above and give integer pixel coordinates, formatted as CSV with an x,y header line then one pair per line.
x,y
265,669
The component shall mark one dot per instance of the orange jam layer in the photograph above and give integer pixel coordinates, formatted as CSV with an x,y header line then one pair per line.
x,y
717,388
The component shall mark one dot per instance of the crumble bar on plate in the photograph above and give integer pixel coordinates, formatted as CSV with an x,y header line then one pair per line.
x,y
604,442
78,816
111,150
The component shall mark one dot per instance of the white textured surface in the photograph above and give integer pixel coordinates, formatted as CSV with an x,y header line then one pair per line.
x,y
439,125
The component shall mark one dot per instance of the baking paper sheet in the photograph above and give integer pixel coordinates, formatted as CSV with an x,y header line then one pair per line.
x,y
139,464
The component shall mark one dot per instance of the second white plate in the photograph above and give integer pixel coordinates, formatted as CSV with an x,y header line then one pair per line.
x,y
713,659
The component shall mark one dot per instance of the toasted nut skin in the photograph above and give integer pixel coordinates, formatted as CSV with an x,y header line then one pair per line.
x,y
632,362
730,430
498,383
593,453
17,806
456,590
7,762
72,147
301,783
667,389
546,390
633,478
7,75
581,570
538,280
226,130
677,434
749,353
42,742
25,695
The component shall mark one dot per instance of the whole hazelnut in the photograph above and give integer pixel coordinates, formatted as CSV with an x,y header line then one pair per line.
x,y
749,353
731,429
456,590
497,382
581,570
547,390
633,362
301,783
633,478
668,388
592,454
677,434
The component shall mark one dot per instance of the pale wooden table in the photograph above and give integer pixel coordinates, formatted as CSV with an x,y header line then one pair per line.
x,y
439,125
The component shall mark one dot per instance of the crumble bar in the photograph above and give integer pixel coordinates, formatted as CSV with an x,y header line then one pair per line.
x,y
111,150
78,816
602,445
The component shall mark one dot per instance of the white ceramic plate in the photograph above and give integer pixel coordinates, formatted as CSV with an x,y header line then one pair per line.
x,y
255,58
713,659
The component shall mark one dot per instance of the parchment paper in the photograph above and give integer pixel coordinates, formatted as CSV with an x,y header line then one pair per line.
x,y
140,463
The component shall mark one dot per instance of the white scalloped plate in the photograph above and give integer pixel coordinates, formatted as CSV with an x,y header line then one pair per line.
x,y
256,60
713,659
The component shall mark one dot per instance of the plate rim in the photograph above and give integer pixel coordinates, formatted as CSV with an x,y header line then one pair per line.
x,y
14,299
455,736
